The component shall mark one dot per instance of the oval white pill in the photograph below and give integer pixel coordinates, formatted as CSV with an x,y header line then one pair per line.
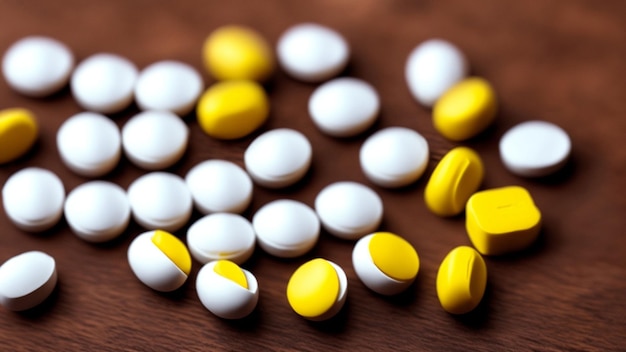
x,y
37,66
221,236
349,210
535,148
104,83
97,211
344,107
432,68
168,85
394,157
89,144
160,200
278,158
33,199
26,280
155,140
311,52
286,228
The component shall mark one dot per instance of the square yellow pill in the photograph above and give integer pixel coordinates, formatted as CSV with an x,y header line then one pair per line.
x,y
502,220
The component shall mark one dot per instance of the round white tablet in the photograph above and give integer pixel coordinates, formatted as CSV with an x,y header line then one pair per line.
x,y
394,157
278,158
219,186
26,280
311,52
90,144
160,200
97,211
344,107
286,228
33,199
535,148
221,236
37,66
349,210
104,83
432,68
168,85
155,140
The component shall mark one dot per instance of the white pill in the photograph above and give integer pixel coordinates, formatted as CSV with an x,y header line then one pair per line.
x,y
160,200
344,107
155,140
90,144
104,83
278,158
394,157
219,186
33,199
312,53
286,228
221,236
37,66
535,148
168,85
432,68
97,211
26,280
349,210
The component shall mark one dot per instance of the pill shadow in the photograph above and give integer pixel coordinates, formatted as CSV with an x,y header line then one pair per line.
x,y
335,325
45,308
478,318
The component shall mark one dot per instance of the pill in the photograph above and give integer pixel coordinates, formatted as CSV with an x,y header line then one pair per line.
x,y
385,262
535,148
465,110
394,157
457,176
344,107
155,140
18,133
90,144
104,83
232,109
226,290
160,200
317,290
237,52
312,53
97,211
37,66
502,220
26,280
168,85
461,280
221,236
33,199
286,228
160,260
219,186
349,210
278,158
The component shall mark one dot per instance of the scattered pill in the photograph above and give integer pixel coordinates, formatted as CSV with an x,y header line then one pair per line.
x,y
349,210
18,133
317,290
160,260
461,280
26,280
37,66
221,236
535,148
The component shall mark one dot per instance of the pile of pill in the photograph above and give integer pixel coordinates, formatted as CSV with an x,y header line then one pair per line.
x,y
498,220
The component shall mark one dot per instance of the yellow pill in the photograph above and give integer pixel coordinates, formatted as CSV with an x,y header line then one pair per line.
x,y
174,249
232,109
457,176
231,271
502,220
394,256
237,52
18,133
465,110
461,280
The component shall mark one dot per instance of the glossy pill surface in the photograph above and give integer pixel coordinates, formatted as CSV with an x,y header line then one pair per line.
x,y
221,236
461,280
26,280
18,133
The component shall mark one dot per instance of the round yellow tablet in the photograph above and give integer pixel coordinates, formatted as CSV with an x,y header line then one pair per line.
x,y
174,249
18,133
313,288
394,256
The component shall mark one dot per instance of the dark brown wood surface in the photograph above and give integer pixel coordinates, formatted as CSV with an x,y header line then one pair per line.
x,y
559,61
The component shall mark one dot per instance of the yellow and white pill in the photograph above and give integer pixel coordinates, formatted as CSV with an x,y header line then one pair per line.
x,y
461,280
18,133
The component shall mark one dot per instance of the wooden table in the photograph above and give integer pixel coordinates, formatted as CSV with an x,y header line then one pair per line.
x,y
559,61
